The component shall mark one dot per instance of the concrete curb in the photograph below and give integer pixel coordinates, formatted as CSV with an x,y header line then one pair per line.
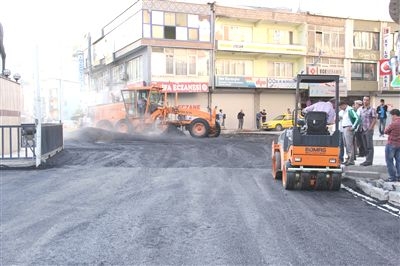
x,y
375,186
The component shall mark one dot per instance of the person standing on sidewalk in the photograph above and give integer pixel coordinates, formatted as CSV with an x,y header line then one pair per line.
x,y
341,138
358,134
263,116
221,118
350,123
381,110
258,119
392,148
240,117
368,120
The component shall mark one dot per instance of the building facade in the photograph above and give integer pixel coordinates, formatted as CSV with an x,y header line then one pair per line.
x,y
239,58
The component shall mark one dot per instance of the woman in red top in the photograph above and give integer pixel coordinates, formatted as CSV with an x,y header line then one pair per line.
x,y
392,149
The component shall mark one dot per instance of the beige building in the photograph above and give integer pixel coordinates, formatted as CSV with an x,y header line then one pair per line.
x,y
239,58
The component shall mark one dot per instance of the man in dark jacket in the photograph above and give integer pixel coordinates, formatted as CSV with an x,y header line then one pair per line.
x,y
381,110
240,117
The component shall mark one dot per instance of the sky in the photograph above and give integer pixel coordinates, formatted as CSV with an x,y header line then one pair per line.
x,y
54,29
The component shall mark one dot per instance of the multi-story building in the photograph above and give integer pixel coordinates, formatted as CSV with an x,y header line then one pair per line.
x,y
240,58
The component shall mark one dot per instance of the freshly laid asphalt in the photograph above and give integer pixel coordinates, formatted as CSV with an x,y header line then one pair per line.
x,y
370,180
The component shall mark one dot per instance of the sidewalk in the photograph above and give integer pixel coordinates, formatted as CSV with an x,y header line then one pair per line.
x,y
371,180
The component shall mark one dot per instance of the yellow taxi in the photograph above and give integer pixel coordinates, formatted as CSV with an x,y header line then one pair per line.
x,y
279,123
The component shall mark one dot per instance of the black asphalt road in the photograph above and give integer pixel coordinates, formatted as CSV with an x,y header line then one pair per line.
x,y
110,199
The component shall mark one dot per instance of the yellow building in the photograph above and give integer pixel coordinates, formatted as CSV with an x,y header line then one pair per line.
x,y
239,58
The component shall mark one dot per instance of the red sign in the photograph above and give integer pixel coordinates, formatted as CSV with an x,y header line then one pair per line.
x,y
312,70
182,86
384,67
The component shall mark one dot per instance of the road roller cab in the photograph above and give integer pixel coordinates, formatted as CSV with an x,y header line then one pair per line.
x,y
306,156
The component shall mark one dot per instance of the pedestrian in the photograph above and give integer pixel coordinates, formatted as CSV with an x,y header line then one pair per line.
x,y
341,141
326,107
263,116
392,148
381,110
358,136
240,117
258,119
350,123
220,118
288,111
368,120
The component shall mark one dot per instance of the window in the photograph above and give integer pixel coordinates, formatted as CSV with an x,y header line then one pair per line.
x,y
193,21
282,37
192,56
283,69
134,69
193,34
158,32
182,33
181,20
181,61
176,26
363,71
366,40
170,61
169,64
327,40
169,32
280,69
146,16
169,19
234,67
157,17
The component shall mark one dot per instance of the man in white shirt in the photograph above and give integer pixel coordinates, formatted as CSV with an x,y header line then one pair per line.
x,y
350,123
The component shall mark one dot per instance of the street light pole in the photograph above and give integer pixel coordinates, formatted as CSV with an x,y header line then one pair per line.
x,y
38,107
212,55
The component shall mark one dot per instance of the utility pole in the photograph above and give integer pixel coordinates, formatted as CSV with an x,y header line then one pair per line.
x,y
212,55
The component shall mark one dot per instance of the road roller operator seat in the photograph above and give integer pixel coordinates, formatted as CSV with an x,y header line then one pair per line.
x,y
316,123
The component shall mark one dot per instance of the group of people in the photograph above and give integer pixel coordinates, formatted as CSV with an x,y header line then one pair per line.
x,y
356,125
261,117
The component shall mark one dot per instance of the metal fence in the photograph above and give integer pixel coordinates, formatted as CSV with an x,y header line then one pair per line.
x,y
19,143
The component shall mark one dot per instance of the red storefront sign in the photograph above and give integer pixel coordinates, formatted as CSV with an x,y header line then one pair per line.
x,y
188,87
384,67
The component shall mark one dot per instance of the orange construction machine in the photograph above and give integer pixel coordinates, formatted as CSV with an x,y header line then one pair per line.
x,y
147,109
306,156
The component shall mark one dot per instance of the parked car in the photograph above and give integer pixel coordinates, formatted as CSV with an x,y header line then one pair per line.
x,y
278,123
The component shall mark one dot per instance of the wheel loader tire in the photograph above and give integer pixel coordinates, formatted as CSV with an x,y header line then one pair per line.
x,y
288,178
123,126
321,182
276,166
214,133
104,124
199,128
335,182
